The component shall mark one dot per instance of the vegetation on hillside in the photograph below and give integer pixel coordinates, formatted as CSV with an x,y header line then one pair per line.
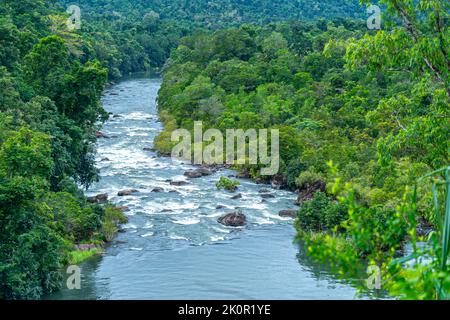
x,y
49,113
376,103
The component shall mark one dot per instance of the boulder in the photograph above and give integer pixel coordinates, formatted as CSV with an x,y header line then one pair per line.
x,y
157,189
123,208
147,149
204,171
100,198
264,190
193,174
308,193
178,183
278,181
288,213
105,160
244,174
127,192
237,196
234,219
166,210
220,206
99,134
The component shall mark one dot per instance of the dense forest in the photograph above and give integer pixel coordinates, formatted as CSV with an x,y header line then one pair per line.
x,y
49,115
362,116
132,36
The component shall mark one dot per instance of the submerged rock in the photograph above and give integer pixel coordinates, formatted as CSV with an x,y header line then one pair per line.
x,y
264,190
234,219
157,189
237,196
105,160
166,210
178,183
147,149
100,198
220,206
127,192
288,213
267,196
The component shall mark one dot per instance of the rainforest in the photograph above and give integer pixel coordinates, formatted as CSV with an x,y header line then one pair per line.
x,y
87,116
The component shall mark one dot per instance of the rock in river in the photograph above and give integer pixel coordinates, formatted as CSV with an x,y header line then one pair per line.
x,y
123,208
127,192
99,134
178,183
267,196
288,213
193,174
100,198
204,171
157,189
234,219
237,196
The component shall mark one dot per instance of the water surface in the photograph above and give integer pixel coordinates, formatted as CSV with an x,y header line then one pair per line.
x,y
173,247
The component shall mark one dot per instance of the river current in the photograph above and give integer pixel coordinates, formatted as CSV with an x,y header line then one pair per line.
x,y
173,247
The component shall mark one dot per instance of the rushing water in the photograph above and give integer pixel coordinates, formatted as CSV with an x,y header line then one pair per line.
x,y
185,253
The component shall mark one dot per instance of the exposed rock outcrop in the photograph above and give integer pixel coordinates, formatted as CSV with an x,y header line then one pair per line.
x,y
100,198
308,193
234,219
127,192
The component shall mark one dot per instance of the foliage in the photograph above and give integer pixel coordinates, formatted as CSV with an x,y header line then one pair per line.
x,y
49,113
373,102
227,184
78,256
321,214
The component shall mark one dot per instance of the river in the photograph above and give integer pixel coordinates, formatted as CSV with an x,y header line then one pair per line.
x,y
185,253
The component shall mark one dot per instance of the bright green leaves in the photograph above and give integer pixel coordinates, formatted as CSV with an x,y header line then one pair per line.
x,y
26,153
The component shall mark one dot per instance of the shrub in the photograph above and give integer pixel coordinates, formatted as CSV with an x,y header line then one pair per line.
x,y
227,184
307,179
294,169
112,218
321,213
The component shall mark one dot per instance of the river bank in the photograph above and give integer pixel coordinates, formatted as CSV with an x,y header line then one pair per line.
x,y
173,247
